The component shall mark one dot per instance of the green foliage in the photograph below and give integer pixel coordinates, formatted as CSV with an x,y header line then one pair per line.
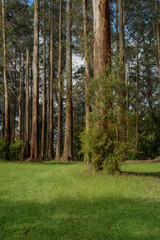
x,y
3,149
77,130
105,142
103,151
148,145
17,151
149,136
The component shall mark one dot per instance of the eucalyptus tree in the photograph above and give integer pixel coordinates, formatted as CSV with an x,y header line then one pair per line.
x,y
68,141
60,86
44,84
87,65
50,144
6,93
35,99
102,55
158,37
27,105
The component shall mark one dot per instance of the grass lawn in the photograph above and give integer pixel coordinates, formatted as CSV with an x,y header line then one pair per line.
x,y
56,201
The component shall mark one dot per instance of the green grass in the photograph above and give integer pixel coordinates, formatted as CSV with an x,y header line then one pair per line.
x,y
62,202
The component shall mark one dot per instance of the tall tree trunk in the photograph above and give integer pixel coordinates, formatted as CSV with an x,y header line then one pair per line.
x,y
137,96
87,68
3,124
6,94
122,36
23,95
60,87
48,102
123,128
158,37
44,87
102,52
102,43
117,37
50,150
20,107
31,98
3,121
27,104
14,104
68,141
149,82
34,138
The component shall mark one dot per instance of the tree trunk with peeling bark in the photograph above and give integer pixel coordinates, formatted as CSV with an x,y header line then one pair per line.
x,y
35,99
60,87
68,141
6,94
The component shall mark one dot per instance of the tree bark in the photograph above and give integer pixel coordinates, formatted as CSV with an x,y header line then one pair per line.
x,y
102,58
158,37
121,36
50,150
87,69
102,43
27,104
31,97
23,94
117,34
48,101
35,101
6,94
68,141
44,87
137,96
3,124
60,87
149,82
20,107
14,103
123,120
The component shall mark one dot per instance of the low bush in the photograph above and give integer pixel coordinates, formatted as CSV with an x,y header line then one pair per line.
x,y
17,151
3,149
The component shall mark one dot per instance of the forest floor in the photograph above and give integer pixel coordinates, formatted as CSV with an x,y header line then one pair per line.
x,y
57,201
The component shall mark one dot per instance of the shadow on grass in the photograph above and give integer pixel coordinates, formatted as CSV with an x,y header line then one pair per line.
x,y
71,219
59,163
144,174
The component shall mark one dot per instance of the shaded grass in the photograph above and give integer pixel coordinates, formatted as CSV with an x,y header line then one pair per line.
x,y
60,201
142,169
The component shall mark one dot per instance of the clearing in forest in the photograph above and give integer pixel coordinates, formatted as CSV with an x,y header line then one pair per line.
x,y
61,201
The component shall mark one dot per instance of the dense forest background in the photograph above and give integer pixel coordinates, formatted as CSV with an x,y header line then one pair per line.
x,y
48,88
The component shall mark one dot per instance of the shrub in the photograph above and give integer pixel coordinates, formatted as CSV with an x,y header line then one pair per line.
x,y
3,149
106,143
78,155
17,151
104,152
